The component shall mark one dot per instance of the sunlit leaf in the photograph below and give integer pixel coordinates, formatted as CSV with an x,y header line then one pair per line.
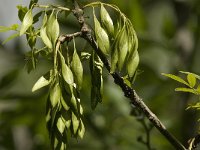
x,y
198,89
182,89
10,38
106,20
176,78
191,80
45,38
77,68
196,76
101,37
64,104
52,28
27,22
42,82
66,71
55,94
81,130
60,125
5,29
132,64
75,123
122,47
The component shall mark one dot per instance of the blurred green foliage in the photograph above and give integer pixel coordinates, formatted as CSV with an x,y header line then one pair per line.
x,y
169,40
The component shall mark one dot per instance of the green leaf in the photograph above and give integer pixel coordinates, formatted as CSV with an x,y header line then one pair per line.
x,y
64,104
132,64
66,71
106,20
191,80
21,12
101,37
176,78
75,123
45,38
27,22
12,27
55,94
31,37
196,76
10,38
52,28
37,16
198,89
81,130
182,89
114,55
42,82
60,125
122,47
77,68
97,80
32,2
74,102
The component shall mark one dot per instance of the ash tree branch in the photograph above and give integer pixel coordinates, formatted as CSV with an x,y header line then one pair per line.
x,y
129,92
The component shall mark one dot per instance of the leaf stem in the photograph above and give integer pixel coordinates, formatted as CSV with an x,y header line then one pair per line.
x,y
52,7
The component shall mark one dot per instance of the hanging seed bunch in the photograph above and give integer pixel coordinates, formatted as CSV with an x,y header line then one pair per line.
x,y
120,43
116,40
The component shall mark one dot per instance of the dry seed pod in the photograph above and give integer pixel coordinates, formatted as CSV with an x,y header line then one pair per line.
x,y
101,37
106,20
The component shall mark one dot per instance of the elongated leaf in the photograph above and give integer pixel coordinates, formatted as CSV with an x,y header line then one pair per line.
x,y
198,89
64,104
66,71
55,94
191,80
132,64
75,123
45,38
21,12
182,89
77,69
114,59
52,28
81,130
106,21
97,81
27,22
10,38
12,27
101,37
60,125
196,76
42,82
122,46
74,102
176,78
37,16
